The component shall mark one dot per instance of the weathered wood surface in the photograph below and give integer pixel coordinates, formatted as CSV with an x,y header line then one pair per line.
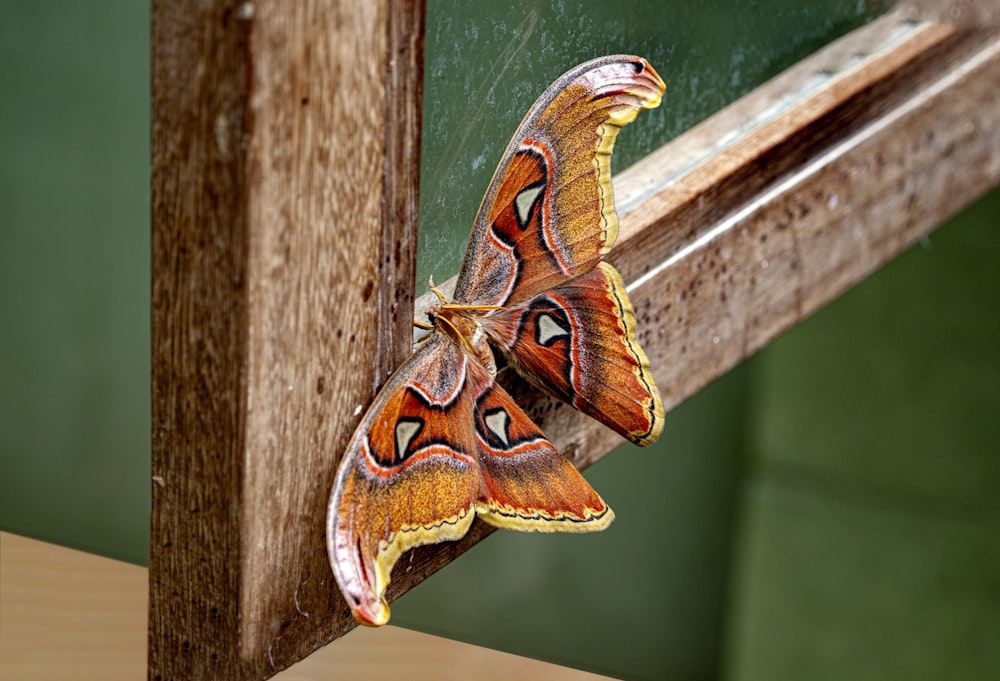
x,y
754,219
896,132
284,202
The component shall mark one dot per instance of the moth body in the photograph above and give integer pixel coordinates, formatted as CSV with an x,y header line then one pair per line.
x,y
463,325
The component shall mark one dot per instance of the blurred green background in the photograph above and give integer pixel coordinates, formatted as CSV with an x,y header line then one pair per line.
x,y
827,510
74,274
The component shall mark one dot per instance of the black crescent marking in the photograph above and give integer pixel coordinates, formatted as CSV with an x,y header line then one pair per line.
x,y
493,426
557,316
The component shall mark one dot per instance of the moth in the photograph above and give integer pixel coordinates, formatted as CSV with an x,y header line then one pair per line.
x,y
443,442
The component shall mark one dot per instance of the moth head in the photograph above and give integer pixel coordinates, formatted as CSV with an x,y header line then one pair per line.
x,y
432,313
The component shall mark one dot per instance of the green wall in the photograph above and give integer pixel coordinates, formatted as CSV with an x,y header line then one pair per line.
x,y
869,519
74,274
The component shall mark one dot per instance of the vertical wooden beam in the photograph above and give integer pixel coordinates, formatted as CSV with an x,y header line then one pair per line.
x,y
285,165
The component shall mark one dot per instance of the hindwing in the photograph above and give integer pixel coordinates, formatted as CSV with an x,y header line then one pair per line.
x,y
578,342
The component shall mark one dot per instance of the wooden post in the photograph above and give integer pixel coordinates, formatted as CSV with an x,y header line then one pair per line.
x,y
285,166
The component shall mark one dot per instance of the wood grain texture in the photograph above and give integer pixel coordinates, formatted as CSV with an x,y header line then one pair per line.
x,y
284,199
754,219
823,192
199,316
401,178
66,614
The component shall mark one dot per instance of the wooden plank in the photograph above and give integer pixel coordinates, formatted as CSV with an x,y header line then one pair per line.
x,y
284,196
901,137
757,217
69,614
401,180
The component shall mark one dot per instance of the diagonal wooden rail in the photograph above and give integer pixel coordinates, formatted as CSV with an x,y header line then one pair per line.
x,y
272,242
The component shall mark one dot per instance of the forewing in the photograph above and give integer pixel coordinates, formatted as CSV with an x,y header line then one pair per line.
x,y
408,477
577,342
549,212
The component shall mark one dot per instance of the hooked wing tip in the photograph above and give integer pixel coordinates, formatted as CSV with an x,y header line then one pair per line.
x,y
363,586
370,612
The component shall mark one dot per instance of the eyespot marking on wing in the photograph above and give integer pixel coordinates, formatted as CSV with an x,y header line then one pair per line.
x,y
548,330
406,431
498,421
524,203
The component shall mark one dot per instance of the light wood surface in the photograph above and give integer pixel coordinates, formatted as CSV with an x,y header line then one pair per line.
x,y
66,614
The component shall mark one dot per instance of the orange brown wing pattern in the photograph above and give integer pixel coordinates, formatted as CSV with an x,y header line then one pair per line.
x,y
577,342
409,476
441,443
525,483
549,213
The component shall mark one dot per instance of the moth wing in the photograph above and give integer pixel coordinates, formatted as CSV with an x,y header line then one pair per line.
x,y
549,212
578,342
525,483
408,477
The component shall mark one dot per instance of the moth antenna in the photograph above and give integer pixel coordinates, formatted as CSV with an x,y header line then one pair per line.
x,y
436,290
471,308
422,325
